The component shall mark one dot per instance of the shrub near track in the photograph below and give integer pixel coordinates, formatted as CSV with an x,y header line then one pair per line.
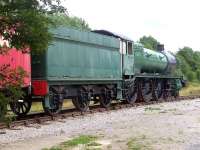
x,y
191,89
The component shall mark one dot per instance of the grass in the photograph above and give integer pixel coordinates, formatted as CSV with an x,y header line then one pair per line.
x,y
191,89
172,109
37,106
109,147
139,143
53,148
94,144
87,141
83,139
172,140
142,142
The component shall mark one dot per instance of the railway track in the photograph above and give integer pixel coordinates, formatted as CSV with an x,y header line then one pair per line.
x,y
42,118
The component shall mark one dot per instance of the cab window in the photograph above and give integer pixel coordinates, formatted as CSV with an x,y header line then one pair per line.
x,y
123,47
130,51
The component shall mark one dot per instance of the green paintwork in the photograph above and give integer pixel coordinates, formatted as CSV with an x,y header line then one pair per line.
x,y
83,58
149,61
79,55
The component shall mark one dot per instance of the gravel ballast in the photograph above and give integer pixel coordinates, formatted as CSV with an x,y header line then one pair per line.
x,y
167,126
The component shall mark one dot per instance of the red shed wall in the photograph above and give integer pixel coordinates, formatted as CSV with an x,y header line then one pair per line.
x,y
18,59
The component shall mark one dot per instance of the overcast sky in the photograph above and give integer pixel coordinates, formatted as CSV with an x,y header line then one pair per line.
x,y
175,23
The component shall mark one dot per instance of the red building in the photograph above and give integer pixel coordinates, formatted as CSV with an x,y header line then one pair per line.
x,y
16,59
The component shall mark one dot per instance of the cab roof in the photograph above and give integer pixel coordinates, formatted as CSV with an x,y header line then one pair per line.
x,y
108,33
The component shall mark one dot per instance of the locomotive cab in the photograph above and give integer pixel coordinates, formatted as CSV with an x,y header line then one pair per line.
x,y
126,52
127,57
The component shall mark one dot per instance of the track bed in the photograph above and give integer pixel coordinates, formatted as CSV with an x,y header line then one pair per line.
x,y
169,125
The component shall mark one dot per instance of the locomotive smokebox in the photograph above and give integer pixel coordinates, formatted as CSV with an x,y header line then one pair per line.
x,y
160,47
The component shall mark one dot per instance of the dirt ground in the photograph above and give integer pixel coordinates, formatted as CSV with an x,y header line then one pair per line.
x,y
165,126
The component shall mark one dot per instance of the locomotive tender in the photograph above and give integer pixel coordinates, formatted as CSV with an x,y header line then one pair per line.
x,y
99,66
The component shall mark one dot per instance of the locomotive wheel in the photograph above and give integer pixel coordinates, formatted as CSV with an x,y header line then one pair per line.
x,y
105,99
147,91
176,94
166,94
131,94
158,91
166,90
82,101
74,102
54,104
21,107
54,108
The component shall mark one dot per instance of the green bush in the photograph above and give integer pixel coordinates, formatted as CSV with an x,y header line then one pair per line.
x,y
3,106
191,76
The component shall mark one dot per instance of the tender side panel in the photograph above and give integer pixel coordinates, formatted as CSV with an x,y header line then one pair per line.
x,y
77,55
68,59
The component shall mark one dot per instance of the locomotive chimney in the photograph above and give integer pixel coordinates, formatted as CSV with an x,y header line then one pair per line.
x,y
160,47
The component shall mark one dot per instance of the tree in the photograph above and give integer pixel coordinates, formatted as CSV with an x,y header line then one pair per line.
x,y
191,76
183,65
188,54
198,74
25,25
190,63
179,66
62,19
149,42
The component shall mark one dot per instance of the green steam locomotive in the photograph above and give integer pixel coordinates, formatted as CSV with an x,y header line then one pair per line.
x,y
100,66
